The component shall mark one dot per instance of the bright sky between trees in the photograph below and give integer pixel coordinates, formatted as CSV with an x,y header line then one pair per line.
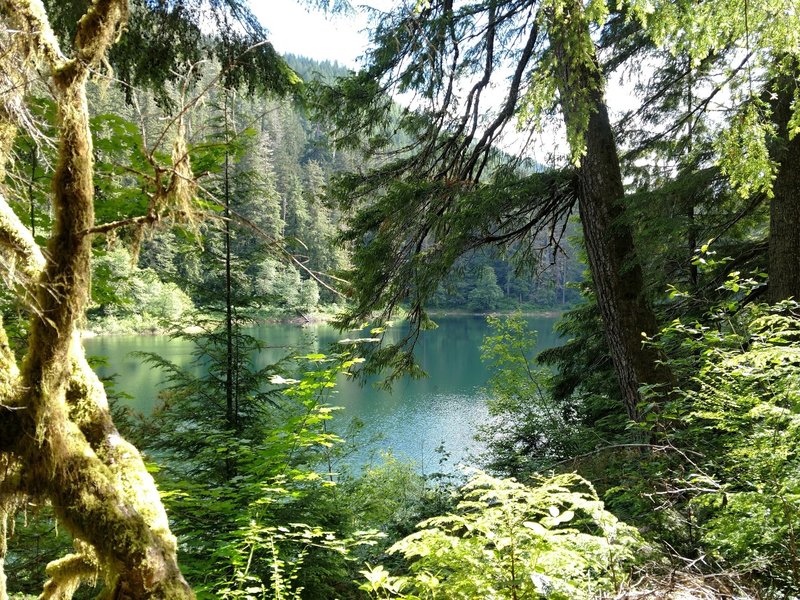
x,y
295,29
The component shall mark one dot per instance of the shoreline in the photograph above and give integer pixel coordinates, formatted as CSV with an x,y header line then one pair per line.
x,y
317,318
305,319
444,312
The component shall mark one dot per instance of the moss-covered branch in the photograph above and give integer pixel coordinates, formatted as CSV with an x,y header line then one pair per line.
x,y
21,259
31,18
63,434
9,421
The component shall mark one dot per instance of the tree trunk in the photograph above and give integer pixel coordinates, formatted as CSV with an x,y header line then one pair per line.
x,y
691,229
784,208
616,273
230,415
64,446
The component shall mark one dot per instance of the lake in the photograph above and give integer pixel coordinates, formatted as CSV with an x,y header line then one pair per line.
x,y
412,420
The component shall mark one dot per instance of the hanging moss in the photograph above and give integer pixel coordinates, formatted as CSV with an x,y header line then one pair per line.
x,y
69,450
7,134
67,573
9,373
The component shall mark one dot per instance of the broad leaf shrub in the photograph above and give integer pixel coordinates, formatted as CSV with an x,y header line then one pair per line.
x,y
528,428
289,551
738,413
550,539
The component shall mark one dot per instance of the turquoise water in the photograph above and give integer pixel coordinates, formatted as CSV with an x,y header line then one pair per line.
x,y
411,421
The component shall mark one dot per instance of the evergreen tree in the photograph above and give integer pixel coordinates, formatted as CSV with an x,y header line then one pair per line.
x,y
784,222
616,272
325,256
298,219
755,147
255,187
433,201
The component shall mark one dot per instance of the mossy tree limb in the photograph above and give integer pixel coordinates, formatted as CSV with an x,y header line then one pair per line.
x,y
68,447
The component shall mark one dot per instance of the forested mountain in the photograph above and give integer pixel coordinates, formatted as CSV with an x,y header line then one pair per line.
x,y
162,167
280,164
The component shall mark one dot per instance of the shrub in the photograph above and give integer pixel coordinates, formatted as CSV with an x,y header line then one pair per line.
x,y
551,539
740,412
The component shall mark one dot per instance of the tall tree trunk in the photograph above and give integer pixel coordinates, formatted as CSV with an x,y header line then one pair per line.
x,y
615,269
784,208
691,229
229,367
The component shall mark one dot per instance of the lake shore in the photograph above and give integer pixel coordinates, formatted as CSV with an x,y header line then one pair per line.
x,y
128,326
132,325
448,312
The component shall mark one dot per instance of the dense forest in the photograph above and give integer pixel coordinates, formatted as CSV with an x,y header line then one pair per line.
x,y
163,168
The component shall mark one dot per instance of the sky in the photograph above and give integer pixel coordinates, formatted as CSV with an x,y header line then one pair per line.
x,y
295,29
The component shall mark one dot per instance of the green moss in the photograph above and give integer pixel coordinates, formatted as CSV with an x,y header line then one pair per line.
x,y
72,453
68,573
7,134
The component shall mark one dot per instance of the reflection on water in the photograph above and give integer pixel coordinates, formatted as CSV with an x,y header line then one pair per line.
x,y
413,420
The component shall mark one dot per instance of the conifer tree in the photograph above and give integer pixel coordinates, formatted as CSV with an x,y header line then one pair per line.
x,y
451,190
757,147
784,207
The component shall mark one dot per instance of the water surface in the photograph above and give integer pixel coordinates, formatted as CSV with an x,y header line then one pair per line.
x,y
412,420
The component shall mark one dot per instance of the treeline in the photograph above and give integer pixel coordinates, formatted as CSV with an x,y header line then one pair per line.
x,y
481,283
280,161
269,165
278,166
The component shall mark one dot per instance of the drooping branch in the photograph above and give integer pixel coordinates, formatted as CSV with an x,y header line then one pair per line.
x,y
692,115
508,110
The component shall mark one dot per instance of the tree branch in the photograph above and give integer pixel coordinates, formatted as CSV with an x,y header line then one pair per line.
x,y
22,258
34,23
70,450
